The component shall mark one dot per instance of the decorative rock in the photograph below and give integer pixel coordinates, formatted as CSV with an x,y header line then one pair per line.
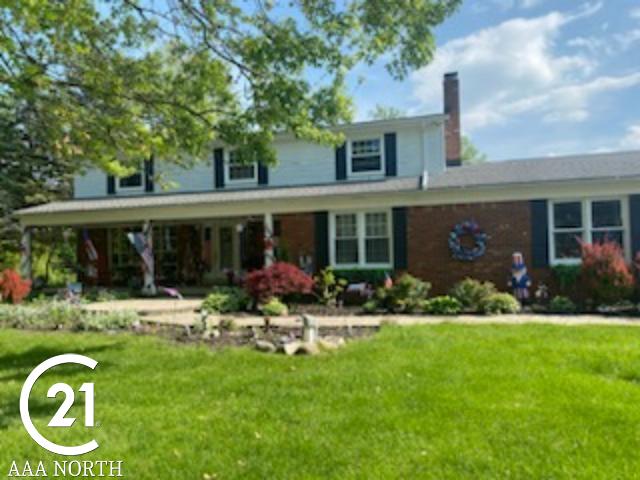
x,y
291,348
265,346
330,343
308,348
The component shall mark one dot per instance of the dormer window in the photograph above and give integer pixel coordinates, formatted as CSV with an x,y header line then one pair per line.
x,y
238,172
366,156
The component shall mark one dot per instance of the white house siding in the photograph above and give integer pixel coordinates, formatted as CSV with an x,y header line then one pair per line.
x,y
299,163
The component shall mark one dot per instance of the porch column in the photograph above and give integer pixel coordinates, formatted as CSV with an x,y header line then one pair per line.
x,y
148,260
268,240
26,269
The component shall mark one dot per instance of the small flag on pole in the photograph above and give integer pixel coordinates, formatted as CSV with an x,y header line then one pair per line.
x,y
92,253
388,282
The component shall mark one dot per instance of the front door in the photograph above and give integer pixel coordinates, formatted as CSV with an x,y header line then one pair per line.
x,y
252,246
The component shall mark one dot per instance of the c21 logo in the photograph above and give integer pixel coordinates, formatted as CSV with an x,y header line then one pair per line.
x,y
60,419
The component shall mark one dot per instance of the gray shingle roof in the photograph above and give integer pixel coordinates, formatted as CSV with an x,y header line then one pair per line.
x,y
536,170
539,170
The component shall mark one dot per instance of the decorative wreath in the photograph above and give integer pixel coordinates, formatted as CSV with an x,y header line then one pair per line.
x,y
461,252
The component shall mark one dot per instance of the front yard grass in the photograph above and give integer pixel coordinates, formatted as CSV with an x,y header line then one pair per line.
x,y
445,401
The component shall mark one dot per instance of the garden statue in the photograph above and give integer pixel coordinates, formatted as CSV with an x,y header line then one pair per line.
x,y
520,281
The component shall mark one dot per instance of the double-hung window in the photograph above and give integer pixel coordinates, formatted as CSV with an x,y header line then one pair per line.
x,y
132,182
361,239
366,156
239,172
590,220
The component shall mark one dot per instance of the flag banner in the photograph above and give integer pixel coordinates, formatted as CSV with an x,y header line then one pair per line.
x,y
139,242
90,249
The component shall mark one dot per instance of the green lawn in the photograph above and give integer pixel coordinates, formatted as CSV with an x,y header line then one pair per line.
x,y
448,401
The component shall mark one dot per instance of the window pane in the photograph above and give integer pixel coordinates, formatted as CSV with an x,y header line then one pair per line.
x,y
607,213
364,147
567,215
377,250
567,245
134,180
241,172
346,251
376,224
346,226
365,164
608,235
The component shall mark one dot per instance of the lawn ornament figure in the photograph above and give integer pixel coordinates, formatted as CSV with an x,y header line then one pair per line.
x,y
520,281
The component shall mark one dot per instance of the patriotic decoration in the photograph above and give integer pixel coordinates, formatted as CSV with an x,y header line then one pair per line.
x,y
90,249
143,247
459,251
172,292
520,281
388,281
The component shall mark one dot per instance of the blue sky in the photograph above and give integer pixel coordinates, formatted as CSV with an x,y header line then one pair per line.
x,y
538,77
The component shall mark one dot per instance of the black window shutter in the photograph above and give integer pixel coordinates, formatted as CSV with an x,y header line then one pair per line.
x,y
321,240
634,213
218,167
390,155
539,233
111,185
263,174
341,162
400,261
148,174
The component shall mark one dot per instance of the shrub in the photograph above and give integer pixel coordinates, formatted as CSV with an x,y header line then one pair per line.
x,y
404,296
443,305
13,288
328,287
278,280
226,300
499,303
361,275
274,308
116,320
561,304
604,274
370,306
472,293
566,275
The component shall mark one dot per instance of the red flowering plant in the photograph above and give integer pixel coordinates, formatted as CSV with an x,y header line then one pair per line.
x,y
13,288
278,280
605,275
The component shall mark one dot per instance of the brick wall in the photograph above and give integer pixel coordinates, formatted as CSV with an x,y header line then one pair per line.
x,y
296,235
507,225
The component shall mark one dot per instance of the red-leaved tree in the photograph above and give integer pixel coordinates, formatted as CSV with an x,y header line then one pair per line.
x,y
13,287
605,275
278,280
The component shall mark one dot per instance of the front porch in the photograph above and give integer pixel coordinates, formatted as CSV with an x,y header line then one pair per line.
x,y
192,255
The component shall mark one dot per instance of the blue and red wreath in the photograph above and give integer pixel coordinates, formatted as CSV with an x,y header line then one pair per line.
x,y
458,250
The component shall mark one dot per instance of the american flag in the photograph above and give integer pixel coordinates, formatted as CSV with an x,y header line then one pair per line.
x,y
92,253
139,242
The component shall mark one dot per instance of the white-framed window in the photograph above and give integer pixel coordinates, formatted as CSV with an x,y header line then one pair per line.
x,y
360,239
133,182
366,156
236,172
587,220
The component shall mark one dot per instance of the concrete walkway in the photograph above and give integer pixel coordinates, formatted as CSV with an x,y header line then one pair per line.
x,y
184,312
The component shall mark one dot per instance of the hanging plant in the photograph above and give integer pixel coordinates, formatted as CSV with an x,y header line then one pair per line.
x,y
458,250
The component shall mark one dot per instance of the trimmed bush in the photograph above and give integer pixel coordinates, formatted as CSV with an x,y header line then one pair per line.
x,y
13,288
328,287
472,293
605,275
562,304
278,280
274,308
370,306
405,296
226,300
443,305
500,303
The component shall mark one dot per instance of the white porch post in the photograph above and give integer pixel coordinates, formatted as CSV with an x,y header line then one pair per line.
x,y
26,269
268,240
149,287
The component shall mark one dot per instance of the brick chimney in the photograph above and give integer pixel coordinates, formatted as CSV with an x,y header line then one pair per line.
x,y
452,125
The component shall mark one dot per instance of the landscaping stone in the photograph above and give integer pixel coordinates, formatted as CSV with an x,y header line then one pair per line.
x,y
330,343
265,346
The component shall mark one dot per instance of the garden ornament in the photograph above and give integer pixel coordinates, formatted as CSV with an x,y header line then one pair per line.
x,y
520,281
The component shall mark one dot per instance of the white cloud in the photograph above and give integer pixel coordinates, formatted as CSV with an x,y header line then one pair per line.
x,y
632,138
524,4
635,13
514,68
